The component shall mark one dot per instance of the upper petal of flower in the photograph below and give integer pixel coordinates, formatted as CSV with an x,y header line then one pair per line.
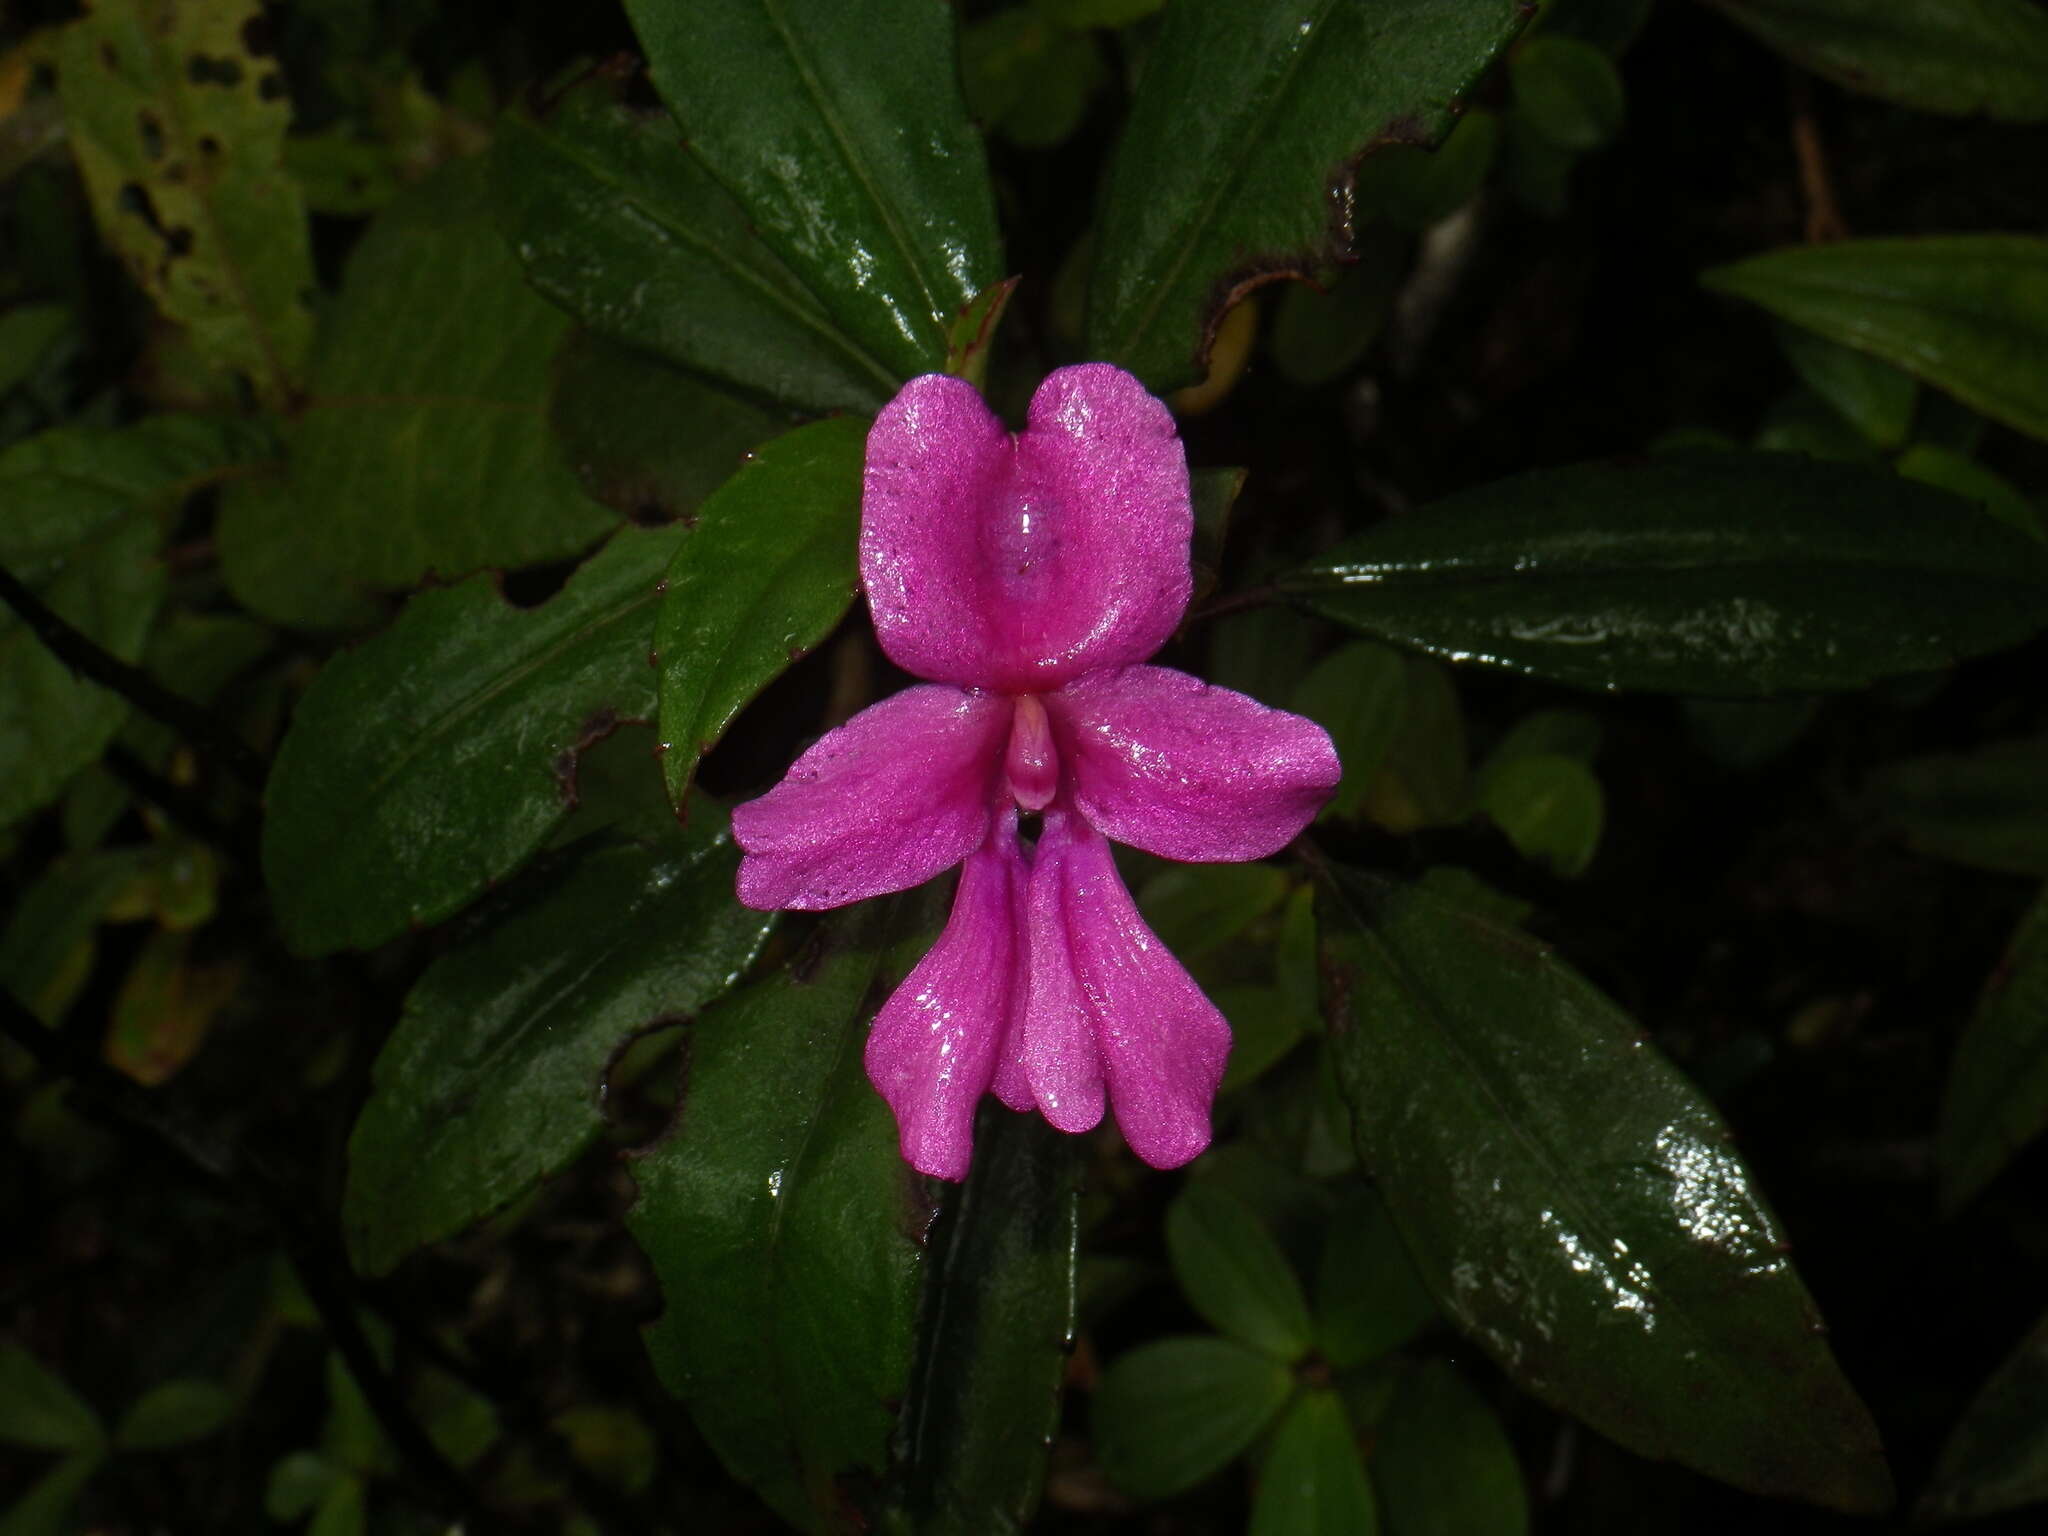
x,y
1170,764
1017,563
886,801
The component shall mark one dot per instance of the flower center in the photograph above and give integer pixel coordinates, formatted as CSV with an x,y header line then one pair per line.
x,y
1032,764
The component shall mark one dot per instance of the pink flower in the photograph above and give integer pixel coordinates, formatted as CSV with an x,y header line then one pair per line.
x,y
1027,576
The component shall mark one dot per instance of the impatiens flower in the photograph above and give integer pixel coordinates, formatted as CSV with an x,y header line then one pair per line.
x,y
1027,577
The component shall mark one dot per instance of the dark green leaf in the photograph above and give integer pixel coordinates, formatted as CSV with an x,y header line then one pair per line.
x,y
1244,118
1947,470
769,572
787,1232
1028,79
1960,56
624,228
1412,188
1170,1414
1610,25
1802,422
1709,573
273,569
178,125
1369,1299
1996,1457
496,1075
1573,1202
28,332
1988,809
297,1482
1320,332
46,951
45,1510
997,1326
1264,1027
425,446
437,757
1424,779
38,1409
1358,694
1967,313
1567,91
1549,806
1234,1273
840,129
341,1511
1747,733
1312,1483
1873,396
1442,1465
1997,1097
174,1413
1196,908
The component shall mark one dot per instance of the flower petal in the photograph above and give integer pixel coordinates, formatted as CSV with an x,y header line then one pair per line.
x,y
897,794
932,1051
1170,764
1019,564
1057,1039
1163,1044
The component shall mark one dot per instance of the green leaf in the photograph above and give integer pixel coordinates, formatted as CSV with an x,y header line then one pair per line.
x,y
1028,79
1412,188
841,131
1549,806
1870,394
1312,1483
1567,92
86,510
47,947
1996,1457
1442,1465
38,1409
1573,1203
1197,908
177,120
646,439
1947,470
1803,423
1234,1273
1169,1414
496,1075
1319,333
174,1413
787,1231
622,227
45,1509
998,1324
437,757
28,333
770,571
1997,1095
297,1482
1244,120
1358,694
424,446
1424,780
1966,313
1957,56
1705,573
1987,809
273,569
1369,1300
1264,1027
341,1511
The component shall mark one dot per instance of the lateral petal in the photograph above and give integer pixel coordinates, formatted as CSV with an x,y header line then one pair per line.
x,y
1058,1035
891,798
1170,764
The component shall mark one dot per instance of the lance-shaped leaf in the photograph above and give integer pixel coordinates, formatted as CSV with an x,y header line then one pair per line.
x,y
1235,166
787,1232
1312,1482
177,114
435,759
620,225
1701,573
1574,1204
841,131
425,445
1997,1096
1959,56
494,1078
1966,313
769,572
85,512
1996,1458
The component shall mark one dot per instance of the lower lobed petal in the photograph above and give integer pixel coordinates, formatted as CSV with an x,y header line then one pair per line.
x,y
1057,1033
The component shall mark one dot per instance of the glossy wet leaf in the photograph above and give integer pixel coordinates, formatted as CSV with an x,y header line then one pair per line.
x,y
496,1076
1567,91
1996,1457
625,229
38,1409
1966,313
1358,693
1549,806
842,133
86,511
1312,1482
1996,1100
1369,1300
787,1231
998,1325
424,446
1987,809
178,125
1947,470
174,1413
1244,119
1704,573
1169,1414
1869,393
770,570
1442,1464
436,758
1233,1273
1574,1205
1958,56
